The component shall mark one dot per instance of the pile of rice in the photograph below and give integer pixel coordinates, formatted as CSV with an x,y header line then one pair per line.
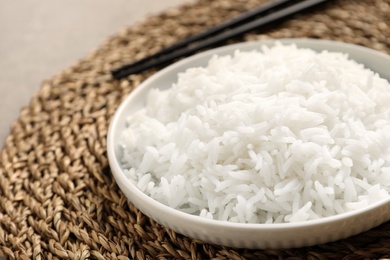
x,y
278,135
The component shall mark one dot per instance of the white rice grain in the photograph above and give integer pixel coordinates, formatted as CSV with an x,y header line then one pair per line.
x,y
272,136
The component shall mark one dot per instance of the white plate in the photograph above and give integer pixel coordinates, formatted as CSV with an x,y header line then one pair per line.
x,y
258,236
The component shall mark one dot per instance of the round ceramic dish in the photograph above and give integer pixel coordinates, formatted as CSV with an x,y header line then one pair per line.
x,y
258,236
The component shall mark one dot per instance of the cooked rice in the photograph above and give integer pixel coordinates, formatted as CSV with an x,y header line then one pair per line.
x,y
279,135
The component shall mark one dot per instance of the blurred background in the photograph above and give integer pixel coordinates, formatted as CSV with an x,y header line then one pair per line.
x,y
41,38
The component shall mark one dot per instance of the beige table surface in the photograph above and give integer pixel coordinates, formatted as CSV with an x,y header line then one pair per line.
x,y
41,38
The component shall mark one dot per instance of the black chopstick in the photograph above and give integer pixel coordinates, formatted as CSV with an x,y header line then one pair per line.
x,y
209,32
185,48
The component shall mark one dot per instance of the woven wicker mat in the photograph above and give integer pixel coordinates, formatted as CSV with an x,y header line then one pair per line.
x,y
58,199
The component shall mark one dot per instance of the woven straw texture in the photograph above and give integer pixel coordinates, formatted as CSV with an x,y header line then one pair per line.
x,y
58,198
